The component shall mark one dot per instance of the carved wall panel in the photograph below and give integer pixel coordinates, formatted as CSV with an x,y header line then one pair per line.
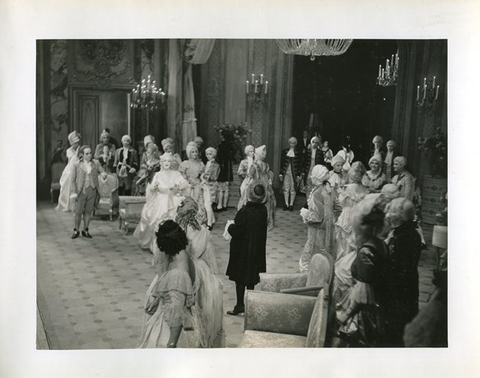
x,y
101,63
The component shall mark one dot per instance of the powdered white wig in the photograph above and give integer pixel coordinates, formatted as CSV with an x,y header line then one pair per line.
x,y
402,161
212,150
259,150
166,156
190,146
320,173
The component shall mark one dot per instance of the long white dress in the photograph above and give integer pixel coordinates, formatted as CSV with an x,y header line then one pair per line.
x,y
349,197
174,288
162,204
208,291
207,311
66,187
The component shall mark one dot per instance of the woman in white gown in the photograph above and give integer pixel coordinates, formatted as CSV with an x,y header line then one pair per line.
x,y
244,174
163,195
349,196
65,203
208,288
169,298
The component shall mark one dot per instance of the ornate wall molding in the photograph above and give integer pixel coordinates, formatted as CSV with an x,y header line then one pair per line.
x,y
101,62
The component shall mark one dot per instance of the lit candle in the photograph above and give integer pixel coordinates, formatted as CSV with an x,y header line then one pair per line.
x,y
433,82
418,92
248,84
256,86
393,60
436,94
425,82
266,87
261,78
379,70
133,95
424,91
253,78
383,73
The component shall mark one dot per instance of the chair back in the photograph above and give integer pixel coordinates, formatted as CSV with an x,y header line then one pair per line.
x,y
320,271
108,186
278,313
276,282
57,170
317,328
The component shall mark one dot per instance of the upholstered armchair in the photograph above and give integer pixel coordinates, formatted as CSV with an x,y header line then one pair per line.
x,y
106,189
277,320
319,274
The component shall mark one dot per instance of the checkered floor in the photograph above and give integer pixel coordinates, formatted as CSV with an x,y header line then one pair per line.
x,y
90,292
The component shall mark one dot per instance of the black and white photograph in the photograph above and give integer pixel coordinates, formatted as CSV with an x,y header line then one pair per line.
x,y
238,196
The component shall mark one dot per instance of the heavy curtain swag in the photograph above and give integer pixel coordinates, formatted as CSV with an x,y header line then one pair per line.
x,y
181,120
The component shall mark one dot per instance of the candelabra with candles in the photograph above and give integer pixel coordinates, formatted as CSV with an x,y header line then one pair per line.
x,y
146,95
257,89
427,95
388,76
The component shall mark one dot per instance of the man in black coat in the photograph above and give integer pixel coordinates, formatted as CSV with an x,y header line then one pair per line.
x,y
248,244
404,247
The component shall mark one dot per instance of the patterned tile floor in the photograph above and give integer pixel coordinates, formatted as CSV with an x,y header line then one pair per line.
x,y
90,292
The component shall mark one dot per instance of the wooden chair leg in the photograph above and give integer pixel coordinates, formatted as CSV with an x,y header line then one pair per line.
x,y
51,194
126,227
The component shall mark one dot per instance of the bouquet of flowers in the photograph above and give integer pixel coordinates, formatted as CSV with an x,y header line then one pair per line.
x,y
237,134
435,147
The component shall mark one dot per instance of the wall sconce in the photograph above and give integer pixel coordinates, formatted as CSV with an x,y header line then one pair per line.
x,y
146,95
388,76
257,89
427,94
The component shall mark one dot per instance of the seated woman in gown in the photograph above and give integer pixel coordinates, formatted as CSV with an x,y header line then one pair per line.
x,y
163,196
208,288
170,296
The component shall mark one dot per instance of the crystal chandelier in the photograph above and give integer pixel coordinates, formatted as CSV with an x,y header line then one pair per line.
x,y
314,47
388,76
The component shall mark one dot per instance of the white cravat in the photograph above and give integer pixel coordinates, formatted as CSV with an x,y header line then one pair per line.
x,y
291,153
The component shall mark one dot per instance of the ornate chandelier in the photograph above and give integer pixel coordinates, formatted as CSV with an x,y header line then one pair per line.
x,y
314,47
146,95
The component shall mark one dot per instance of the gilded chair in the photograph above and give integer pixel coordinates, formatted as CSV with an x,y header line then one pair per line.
x,y
277,320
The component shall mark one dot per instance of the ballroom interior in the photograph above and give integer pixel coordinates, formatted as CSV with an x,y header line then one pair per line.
x,y
90,292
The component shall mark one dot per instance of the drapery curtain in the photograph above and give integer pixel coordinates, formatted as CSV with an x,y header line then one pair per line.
x,y
181,101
